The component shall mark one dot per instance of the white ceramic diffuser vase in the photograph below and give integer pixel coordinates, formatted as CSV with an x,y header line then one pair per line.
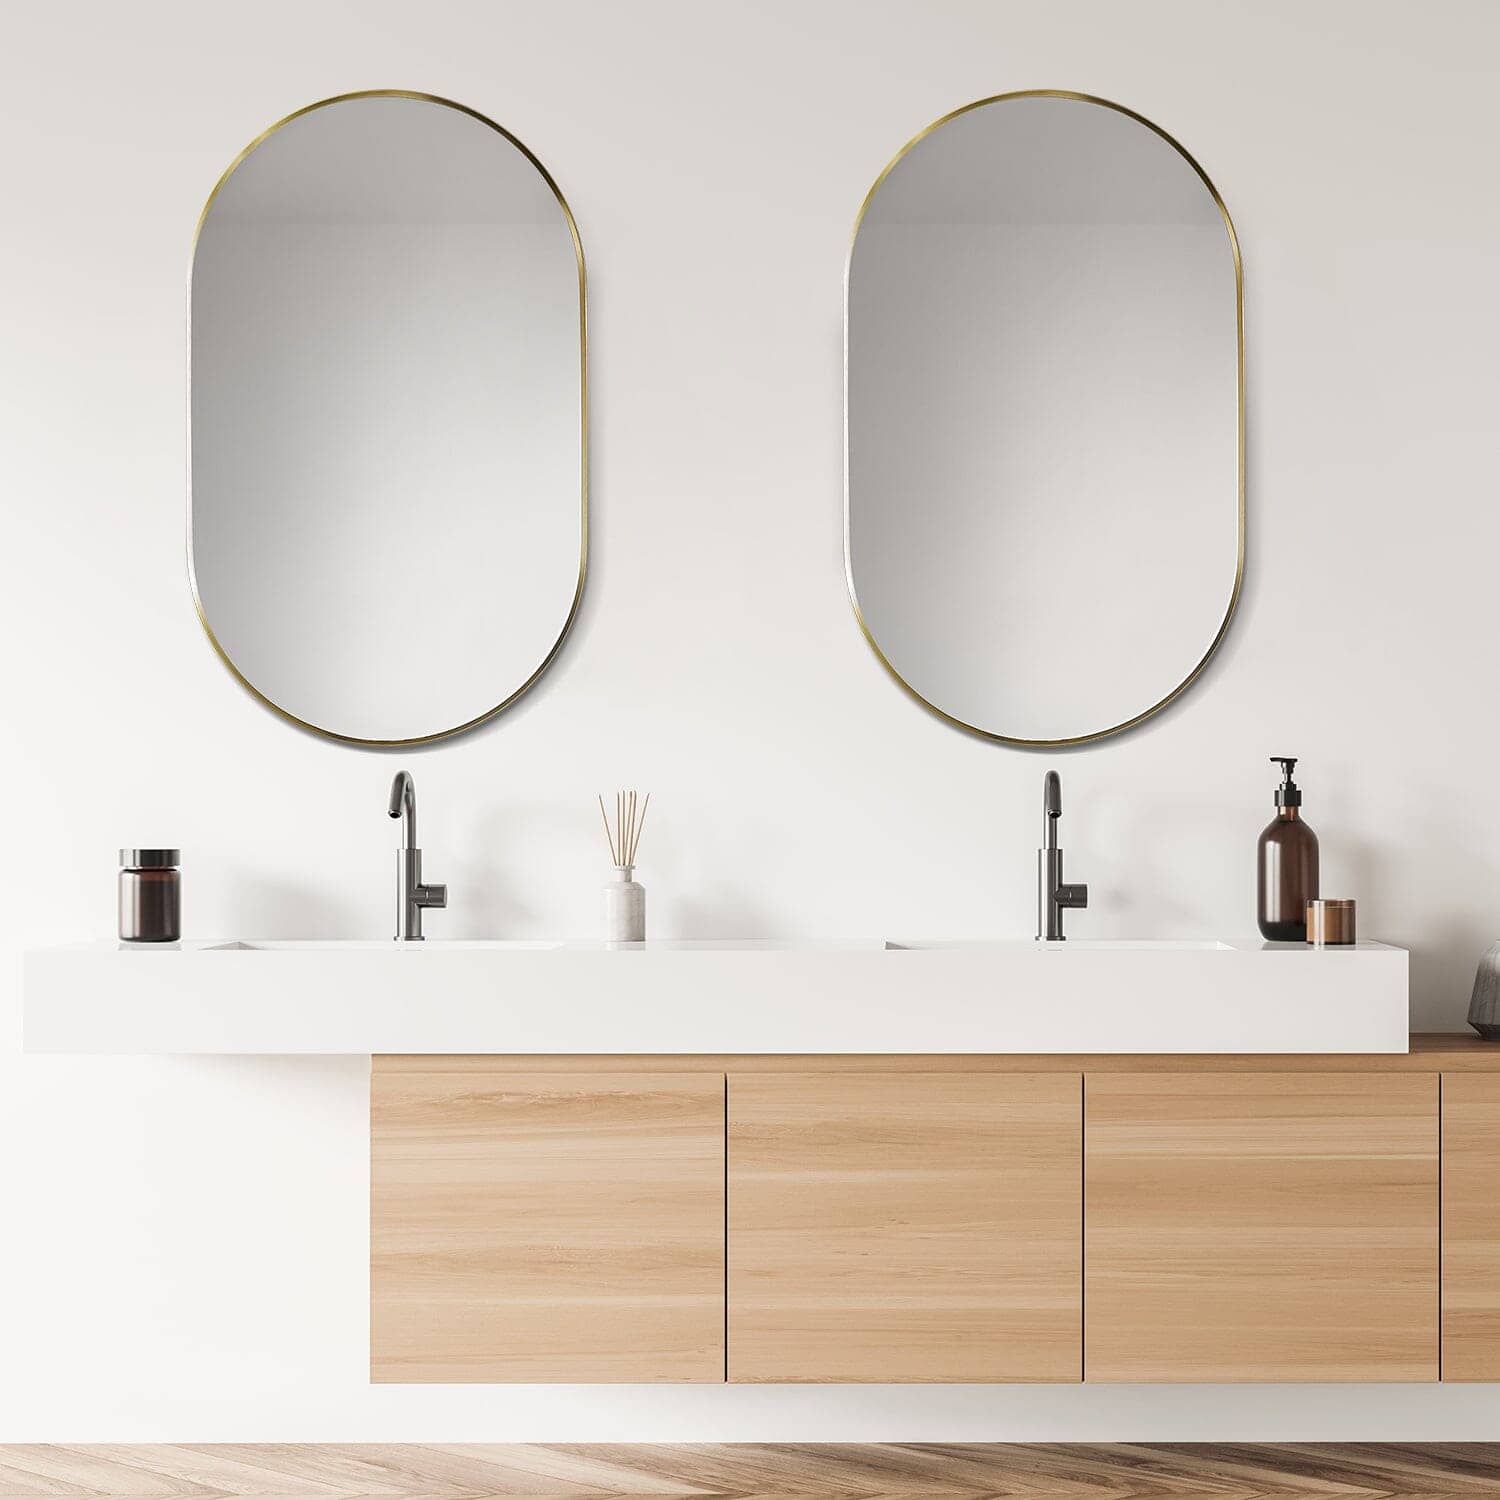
x,y
624,898
624,907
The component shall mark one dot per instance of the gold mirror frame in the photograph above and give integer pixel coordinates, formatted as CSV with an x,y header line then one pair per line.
x,y
583,356
1239,325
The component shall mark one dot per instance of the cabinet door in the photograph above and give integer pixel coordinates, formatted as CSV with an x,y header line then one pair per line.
x,y
904,1227
1471,1226
1261,1227
541,1227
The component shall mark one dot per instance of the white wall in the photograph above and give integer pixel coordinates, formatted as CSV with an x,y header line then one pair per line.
x,y
182,1242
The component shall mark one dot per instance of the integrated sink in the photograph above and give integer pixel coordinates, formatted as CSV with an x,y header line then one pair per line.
x,y
357,945
1069,945
909,996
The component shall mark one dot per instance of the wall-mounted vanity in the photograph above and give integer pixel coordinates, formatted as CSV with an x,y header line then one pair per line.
x,y
937,1218
880,1161
570,1180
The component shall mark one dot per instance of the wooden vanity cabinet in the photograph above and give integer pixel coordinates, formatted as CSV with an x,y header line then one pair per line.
x,y
549,1226
1471,1226
1261,1226
904,1227
966,1219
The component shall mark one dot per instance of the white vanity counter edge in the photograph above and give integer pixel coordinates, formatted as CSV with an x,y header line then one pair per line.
x,y
728,997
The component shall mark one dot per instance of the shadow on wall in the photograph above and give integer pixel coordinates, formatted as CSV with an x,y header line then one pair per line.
x,y
493,874
291,908
688,902
563,839
1445,945
724,909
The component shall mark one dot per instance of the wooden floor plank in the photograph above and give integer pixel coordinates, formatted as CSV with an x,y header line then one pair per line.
x,y
1232,1470
23,1482
576,1469
880,1467
754,1471
1401,1468
90,1473
440,1471
324,1469
735,1469
217,1471
1052,1469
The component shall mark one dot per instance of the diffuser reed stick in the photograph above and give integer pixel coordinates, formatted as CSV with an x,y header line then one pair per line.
x,y
624,835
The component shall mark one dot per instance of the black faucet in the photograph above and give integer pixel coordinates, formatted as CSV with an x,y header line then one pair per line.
x,y
1053,897
412,896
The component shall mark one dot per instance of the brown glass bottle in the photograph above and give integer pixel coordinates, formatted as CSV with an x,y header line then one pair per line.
x,y
1287,865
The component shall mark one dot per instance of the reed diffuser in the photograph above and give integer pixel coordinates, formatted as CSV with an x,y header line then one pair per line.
x,y
624,900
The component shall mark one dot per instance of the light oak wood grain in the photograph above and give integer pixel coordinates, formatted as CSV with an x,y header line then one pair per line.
x,y
557,1227
920,1227
1471,1227
757,1471
1435,1052
1268,1227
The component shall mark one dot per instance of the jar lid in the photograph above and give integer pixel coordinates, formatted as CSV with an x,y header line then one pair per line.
x,y
150,859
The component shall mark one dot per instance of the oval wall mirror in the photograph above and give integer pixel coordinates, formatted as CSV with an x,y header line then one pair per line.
x,y
1044,505
389,520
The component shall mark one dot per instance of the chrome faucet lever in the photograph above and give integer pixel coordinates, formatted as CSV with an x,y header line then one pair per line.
x,y
412,896
1053,896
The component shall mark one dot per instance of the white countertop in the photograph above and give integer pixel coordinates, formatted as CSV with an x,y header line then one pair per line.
x,y
733,996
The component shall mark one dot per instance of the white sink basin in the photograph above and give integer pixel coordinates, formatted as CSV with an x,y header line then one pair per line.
x,y
365,945
738,996
522,945
1070,945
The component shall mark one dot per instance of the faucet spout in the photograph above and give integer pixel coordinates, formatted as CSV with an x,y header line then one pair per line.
x,y
413,894
403,805
1053,895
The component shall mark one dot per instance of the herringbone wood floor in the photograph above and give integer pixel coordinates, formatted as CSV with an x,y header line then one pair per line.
x,y
1113,1471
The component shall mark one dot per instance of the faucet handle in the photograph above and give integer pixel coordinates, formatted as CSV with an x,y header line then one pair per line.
x,y
431,895
1075,897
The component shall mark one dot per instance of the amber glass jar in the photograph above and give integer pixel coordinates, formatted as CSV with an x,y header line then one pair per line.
x,y
150,896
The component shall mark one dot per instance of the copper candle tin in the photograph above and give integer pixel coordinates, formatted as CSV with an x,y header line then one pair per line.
x,y
1330,922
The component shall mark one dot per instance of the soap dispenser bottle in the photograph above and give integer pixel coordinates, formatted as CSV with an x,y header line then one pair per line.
x,y
1287,864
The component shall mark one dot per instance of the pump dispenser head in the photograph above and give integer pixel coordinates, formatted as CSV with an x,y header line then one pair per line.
x,y
1287,794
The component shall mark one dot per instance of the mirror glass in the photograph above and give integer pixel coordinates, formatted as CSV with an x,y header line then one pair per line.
x,y
388,526
1044,514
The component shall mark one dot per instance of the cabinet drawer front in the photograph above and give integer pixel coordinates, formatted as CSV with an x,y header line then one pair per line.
x,y
919,1227
1471,1226
546,1227
1261,1227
